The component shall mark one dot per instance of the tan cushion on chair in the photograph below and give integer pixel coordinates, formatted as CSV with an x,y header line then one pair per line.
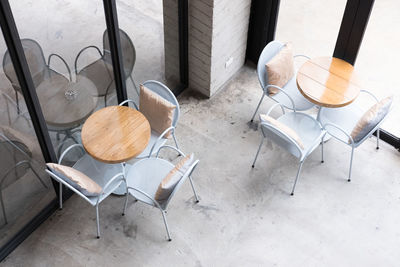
x,y
280,69
168,184
371,118
79,180
158,111
283,128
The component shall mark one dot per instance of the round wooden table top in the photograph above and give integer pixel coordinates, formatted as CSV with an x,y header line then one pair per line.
x,y
328,82
115,134
58,110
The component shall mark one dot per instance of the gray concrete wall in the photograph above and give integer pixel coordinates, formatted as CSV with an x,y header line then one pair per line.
x,y
217,42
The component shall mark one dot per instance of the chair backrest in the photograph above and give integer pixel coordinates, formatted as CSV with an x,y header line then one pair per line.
x,y
163,91
181,181
269,51
281,139
128,51
36,62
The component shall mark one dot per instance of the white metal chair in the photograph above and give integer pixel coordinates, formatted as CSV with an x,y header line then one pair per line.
x,y
157,140
289,96
307,128
339,122
98,172
145,176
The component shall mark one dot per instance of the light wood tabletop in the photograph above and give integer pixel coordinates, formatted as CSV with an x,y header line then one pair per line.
x,y
61,112
328,82
115,134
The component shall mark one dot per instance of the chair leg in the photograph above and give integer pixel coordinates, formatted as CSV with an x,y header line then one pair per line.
x,y
134,84
2,207
258,106
97,221
377,138
322,150
126,203
17,101
258,151
60,196
297,177
351,164
166,224
194,191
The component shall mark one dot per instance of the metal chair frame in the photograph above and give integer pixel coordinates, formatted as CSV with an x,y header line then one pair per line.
x,y
107,189
261,72
163,206
297,152
169,96
104,60
352,143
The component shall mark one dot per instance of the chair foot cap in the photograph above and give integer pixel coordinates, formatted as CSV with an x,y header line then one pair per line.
x,y
123,214
98,237
252,166
169,240
349,180
251,120
322,161
197,201
377,147
292,194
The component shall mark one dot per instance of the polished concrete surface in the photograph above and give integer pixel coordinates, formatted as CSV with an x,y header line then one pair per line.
x,y
246,216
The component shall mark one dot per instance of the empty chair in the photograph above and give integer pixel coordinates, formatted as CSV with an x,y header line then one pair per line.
x,y
155,181
288,95
298,133
100,72
17,152
39,69
158,138
354,123
92,180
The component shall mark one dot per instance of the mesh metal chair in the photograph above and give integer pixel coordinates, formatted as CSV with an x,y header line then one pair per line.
x,y
15,162
307,128
39,69
145,176
289,96
157,140
339,122
98,172
100,72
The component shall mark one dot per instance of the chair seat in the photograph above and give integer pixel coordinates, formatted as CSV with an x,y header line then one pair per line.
x,y
101,74
306,127
146,175
291,89
345,117
99,172
153,139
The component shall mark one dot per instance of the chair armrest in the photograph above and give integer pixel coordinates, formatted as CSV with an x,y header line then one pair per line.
x,y
340,129
147,196
371,94
65,63
172,147
281,90
129,101
67,150
80,52
172,128
301,55
110,182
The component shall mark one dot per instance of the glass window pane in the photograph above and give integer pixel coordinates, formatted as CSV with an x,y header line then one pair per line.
x,y
72,35
25,188
312,26
378,58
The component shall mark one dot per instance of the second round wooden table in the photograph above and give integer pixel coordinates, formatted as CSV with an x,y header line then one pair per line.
x,y
328,82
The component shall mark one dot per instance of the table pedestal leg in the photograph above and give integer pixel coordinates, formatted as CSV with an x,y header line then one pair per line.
x,y
121,190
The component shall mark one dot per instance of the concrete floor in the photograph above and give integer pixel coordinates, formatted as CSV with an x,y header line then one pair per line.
x,y
246,216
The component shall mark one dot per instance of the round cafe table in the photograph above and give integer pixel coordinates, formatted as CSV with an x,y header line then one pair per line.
x,y
116,134
328,82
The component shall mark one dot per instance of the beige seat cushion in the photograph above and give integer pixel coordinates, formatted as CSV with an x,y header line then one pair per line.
x,y
168,184
77,179
280,69
158,111
283,128
371,118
